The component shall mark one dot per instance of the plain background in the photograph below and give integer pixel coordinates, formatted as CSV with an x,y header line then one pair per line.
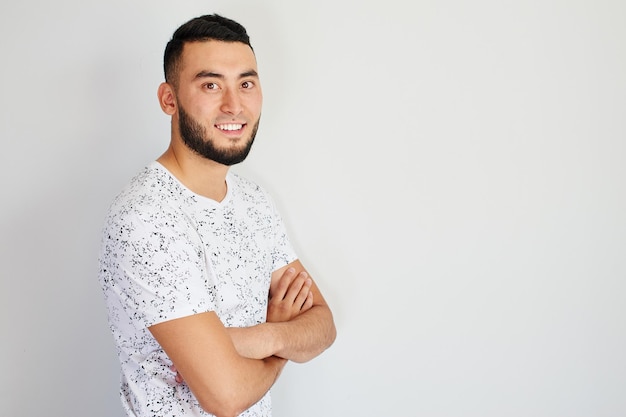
x,y
453,174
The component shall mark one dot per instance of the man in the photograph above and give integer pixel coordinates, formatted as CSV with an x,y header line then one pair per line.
x,y
191,252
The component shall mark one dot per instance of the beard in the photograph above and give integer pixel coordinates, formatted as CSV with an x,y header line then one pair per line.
x,y
195,136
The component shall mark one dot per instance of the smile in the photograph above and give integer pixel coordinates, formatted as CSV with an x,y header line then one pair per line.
x,y
229,126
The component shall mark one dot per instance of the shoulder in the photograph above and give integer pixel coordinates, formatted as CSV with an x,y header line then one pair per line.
x,y
247,189
152,194
242,182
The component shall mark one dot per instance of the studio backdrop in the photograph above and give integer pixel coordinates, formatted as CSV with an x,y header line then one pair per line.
x,y
452,173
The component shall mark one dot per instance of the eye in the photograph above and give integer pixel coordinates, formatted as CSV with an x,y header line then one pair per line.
x,y
211,86
247,84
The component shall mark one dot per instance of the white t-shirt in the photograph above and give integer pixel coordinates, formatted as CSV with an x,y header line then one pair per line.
x,y
169,253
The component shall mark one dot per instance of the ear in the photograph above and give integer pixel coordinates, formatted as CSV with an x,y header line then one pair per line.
x,y
167,98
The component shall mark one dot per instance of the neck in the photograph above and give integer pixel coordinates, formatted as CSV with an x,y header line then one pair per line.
x,y
202,176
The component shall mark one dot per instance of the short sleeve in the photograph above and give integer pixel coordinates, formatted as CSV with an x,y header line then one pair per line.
x,y
155,267
282,252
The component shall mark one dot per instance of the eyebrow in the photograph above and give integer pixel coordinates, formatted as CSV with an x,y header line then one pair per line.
x,y
210,74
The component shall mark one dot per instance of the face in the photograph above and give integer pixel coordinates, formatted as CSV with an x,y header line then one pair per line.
x,y
218,100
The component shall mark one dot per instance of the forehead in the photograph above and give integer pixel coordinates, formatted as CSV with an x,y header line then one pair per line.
x,y
227,58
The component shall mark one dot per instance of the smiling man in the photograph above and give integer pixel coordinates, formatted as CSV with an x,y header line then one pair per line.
x,y
206,298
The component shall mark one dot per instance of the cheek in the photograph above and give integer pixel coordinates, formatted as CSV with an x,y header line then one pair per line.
x,y
254,100
256,104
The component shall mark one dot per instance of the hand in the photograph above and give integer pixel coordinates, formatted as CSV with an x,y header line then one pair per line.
x,y
291,296
178,376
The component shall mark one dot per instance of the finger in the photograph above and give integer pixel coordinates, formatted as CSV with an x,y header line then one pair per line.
x,y
296,287
178,378
303,295
308,303
283,284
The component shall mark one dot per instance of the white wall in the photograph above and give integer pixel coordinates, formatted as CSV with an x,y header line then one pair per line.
x,y
451,172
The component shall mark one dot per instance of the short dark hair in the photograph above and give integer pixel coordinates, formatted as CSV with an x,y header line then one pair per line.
x,y
200,29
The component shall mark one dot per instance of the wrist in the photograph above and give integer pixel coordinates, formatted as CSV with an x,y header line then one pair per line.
x,y
276,337
256,342
276,363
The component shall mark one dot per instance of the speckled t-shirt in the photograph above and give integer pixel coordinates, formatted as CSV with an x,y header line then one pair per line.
x,y
169,253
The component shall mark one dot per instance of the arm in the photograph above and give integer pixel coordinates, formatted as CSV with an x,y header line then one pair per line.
x,y
308,334
299,322
290,297
224,382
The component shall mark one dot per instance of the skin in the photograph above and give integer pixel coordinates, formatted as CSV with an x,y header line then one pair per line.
x,y
229,369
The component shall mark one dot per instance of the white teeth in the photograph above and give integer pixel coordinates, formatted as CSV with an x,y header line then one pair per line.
x,y
230,126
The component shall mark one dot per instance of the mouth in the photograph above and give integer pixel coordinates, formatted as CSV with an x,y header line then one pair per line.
x,y
230,127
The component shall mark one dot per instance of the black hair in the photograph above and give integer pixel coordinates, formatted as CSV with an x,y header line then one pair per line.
x,y
199,29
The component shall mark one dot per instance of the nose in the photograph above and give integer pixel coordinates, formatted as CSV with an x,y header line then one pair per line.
x,y
231,102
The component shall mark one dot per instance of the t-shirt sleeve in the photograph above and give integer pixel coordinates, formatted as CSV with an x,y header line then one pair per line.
x,y
155,267
283,252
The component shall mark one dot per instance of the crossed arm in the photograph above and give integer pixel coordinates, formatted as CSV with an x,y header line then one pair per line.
x,y
229,369
299,323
